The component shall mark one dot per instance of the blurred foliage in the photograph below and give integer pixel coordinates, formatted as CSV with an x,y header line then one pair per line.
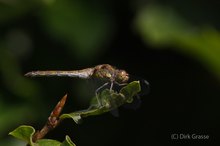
x,y
19,87
162,26
84,26
11,10
11,75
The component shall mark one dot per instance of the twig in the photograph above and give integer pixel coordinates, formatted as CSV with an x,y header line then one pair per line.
x,y
52,121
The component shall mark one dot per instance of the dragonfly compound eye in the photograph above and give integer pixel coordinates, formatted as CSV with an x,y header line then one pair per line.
x,y
122,76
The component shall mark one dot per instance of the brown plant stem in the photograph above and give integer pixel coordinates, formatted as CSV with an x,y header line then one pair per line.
x,y
52,121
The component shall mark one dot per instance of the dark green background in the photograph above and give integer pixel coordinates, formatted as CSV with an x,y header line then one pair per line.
x,y
175,45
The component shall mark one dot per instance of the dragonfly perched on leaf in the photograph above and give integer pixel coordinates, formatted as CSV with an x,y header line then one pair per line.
x,y
111,100
105,72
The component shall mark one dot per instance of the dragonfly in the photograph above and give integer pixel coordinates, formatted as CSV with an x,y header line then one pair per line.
x,y
106,72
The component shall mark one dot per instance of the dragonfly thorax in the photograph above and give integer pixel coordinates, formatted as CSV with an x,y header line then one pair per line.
x,y
104,72
110,73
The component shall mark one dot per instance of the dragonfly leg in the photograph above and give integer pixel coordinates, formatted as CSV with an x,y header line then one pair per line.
x,y
111,86
123,84
97,90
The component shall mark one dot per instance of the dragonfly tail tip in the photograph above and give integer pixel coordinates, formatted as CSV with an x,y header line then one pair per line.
x,y
27,74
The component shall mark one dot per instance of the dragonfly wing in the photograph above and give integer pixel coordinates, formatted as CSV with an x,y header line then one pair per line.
x,y
145,85
115,112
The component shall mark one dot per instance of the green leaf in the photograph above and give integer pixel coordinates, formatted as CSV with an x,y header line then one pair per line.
x,y
112,99
51,142
109,99
24,133
131,90
68,142
75,116
48,142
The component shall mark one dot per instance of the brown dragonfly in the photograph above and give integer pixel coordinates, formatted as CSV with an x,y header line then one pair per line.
x,y
111,75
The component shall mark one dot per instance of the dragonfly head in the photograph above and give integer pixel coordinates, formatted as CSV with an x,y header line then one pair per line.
x,y
122,76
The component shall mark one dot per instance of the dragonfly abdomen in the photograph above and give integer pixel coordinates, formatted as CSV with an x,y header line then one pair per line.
x,y
84,73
